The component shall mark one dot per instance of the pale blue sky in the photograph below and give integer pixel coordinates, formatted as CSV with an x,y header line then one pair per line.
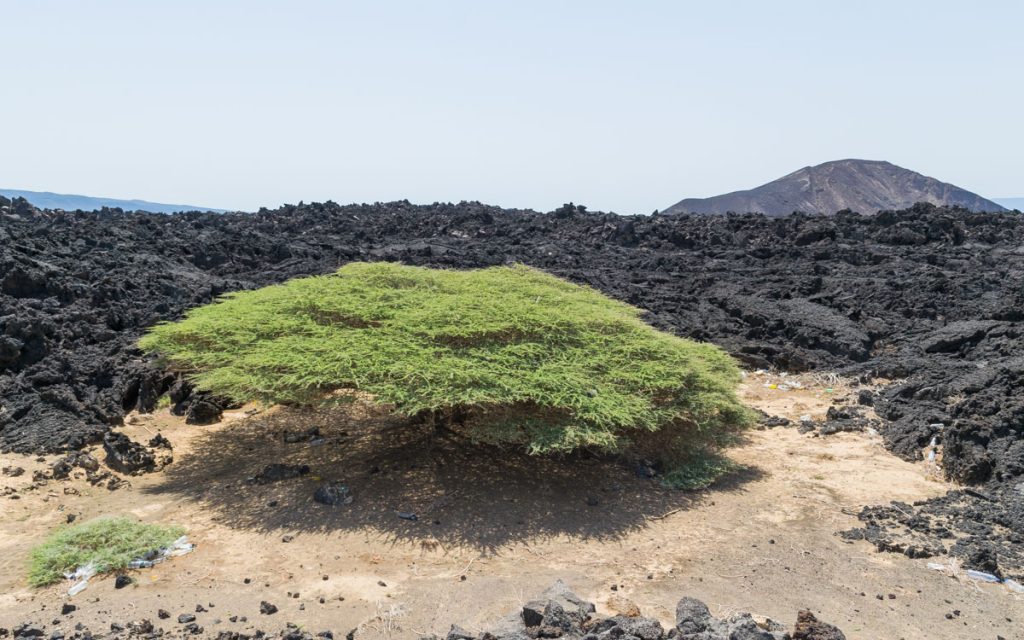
x,y
623,106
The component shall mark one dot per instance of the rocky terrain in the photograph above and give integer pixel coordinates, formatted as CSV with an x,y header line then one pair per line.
x,y
558,613
925,303
561,613
430,536
864,186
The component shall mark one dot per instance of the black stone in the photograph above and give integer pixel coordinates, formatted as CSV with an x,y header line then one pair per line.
x,y
267,609
333,494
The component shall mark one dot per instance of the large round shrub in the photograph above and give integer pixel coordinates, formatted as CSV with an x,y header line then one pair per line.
x,y
522,356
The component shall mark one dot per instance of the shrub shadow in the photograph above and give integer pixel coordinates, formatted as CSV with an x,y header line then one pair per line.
x,y
462,494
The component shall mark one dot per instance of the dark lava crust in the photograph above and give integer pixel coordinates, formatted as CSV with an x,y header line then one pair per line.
x,y
932,298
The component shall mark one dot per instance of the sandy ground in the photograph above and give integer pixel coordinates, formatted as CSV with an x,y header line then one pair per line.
x,y
493,531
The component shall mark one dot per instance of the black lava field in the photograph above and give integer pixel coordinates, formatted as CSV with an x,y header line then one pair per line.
x,y
929,300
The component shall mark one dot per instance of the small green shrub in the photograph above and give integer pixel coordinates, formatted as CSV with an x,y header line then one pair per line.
x,y
531,359
109,543
699,471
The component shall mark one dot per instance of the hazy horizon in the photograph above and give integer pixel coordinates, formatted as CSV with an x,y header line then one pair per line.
x,y
92,202
625,108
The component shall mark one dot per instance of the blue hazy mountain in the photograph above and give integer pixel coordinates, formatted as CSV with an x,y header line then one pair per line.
x,y
1011,203
47,200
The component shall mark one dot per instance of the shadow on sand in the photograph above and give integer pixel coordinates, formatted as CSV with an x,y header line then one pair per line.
x,y
462,495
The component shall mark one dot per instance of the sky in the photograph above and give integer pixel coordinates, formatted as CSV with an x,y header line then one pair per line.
x,y
621,106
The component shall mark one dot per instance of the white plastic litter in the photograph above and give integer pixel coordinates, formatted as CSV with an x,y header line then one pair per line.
x,y
83,572
179,547
78,587
81,575
981,575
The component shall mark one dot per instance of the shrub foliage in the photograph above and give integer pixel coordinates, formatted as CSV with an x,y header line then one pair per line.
x,y
529,358
109,543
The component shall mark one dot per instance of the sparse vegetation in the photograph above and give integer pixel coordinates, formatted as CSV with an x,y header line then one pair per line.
x,y
108,543
700,472
510,354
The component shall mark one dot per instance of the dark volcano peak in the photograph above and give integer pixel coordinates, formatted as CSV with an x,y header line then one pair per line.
x,y
865,186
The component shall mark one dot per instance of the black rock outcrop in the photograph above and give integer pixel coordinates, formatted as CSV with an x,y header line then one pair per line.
x,y
929,297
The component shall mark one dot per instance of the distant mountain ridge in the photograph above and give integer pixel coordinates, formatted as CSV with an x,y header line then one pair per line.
x,y
47,200
865,186
1011,203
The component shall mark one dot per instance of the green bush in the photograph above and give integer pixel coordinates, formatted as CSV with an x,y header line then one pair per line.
x,y
699,472
109,543
529,358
